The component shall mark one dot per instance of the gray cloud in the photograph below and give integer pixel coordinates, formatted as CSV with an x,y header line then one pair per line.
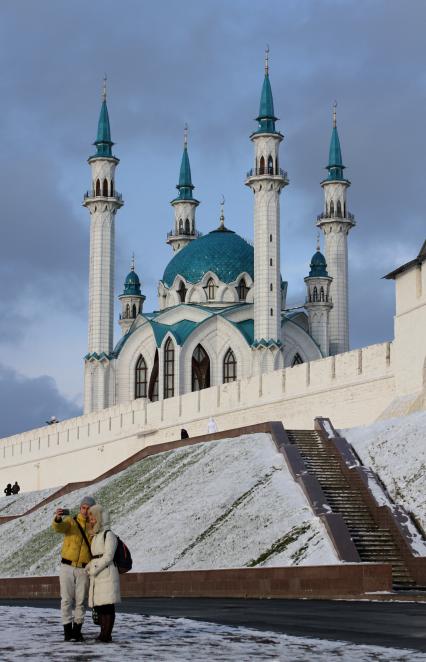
x,y
28,402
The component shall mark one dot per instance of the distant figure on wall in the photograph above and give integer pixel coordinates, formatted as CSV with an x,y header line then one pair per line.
x,y
52,420
15,488
8,489
184,434
211,426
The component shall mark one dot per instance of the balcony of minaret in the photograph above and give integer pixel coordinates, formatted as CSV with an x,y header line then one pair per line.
x,y
332,214
268,172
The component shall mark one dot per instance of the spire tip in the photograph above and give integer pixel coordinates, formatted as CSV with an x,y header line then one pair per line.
x,y
222,211
132,263
267,60
185,135
104,88
334,114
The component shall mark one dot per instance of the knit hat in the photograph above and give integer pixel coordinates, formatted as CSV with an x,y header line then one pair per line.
x,y
87,501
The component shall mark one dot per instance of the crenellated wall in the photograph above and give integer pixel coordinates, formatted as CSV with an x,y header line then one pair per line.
x,y
351,389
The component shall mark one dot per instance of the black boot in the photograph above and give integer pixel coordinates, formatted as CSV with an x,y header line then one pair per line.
x,y
108,624
68,632
76,632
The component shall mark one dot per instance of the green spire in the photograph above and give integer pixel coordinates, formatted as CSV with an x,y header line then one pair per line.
x,y
103,140
335,164
266,117
185,186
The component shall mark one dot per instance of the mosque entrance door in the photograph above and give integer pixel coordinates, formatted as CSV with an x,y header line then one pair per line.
x,y
200,369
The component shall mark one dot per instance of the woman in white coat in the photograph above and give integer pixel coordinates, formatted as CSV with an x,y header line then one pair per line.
x,y
104,590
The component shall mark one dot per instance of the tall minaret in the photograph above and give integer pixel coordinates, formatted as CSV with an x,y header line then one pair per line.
x,y
318,301
335,222
184,205
102,201
266,180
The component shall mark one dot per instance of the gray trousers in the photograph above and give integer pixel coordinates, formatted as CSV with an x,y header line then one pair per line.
x,y
74,583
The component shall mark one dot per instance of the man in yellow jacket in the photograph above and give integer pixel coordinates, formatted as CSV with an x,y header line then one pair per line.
x,y
75,555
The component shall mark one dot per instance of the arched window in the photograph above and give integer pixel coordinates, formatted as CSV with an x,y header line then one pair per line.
x,y
127,313
332,208
134,311
315,294
141,375
276,166
105,188
153,380
169,369
182,291
321,297
262,166
344,209
297,359
112,187
200,369
242,290
211,289
187,226
339,209
98,187
270,165
229,367
180,226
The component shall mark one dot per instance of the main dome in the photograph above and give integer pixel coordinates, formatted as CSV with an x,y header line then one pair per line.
x,y
221,251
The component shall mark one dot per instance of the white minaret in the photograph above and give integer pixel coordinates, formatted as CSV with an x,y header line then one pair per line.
x,y
184,205
131,300
102,201
336,222
266,180
318,301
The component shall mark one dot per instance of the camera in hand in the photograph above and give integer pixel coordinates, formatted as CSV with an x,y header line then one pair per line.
x,y
65,512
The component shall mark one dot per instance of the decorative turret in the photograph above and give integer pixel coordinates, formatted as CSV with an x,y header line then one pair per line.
x,y
102,202
336,222
131,300
184,205
266,180
318,301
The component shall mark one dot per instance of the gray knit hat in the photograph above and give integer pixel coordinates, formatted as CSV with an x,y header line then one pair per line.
x,y
87,501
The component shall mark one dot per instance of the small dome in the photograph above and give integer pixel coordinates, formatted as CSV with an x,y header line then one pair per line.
x,y
132,285
318,265
221,251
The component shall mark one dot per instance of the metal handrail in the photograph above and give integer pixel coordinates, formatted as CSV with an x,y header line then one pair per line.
x,y
182,233
347,217
268,171
92,194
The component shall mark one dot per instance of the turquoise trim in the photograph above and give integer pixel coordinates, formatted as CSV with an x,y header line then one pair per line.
x,y
335,163
132,285
180,330
318,266
266,117
246,328
185,186
222,252
103,140
271,342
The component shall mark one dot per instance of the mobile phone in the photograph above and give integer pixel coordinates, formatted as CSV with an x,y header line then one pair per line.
x,y
65,512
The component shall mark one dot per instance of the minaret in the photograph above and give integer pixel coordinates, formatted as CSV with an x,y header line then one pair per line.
x,y
266,180
318,301
131,300
335,222
102,202
184,205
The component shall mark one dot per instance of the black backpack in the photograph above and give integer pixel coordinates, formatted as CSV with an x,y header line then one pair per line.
x,y
122,557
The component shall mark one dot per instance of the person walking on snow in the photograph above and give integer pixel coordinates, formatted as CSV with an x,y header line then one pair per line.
x,y
75,555
104,591
15,488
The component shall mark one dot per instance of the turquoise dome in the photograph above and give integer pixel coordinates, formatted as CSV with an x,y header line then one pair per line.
x,y
221,251
318,265
132,285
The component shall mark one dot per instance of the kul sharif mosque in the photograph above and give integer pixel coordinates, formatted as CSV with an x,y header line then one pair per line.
x,y
221,301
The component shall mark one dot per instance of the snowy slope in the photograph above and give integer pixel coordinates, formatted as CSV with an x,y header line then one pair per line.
x,y
17,505
396,450
230,503
27,633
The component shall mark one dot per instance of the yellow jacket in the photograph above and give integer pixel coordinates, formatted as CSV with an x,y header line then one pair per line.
x,y
74,548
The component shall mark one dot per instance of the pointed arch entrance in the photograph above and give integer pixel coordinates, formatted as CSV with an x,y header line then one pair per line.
x,y
200,369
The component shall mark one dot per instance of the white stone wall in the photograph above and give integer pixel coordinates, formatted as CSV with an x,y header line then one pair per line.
x,y
352,389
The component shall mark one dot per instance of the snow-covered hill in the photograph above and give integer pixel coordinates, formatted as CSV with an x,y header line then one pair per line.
x,y
230,503
396,450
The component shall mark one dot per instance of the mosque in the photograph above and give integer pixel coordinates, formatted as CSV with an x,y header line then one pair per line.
x,y
222,312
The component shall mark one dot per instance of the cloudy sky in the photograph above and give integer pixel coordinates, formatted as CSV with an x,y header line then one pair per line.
x,y
173,62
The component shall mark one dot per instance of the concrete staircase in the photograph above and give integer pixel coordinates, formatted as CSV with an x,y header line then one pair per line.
x,y
374,543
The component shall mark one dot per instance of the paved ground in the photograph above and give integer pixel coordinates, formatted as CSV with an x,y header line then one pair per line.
x,y
394,624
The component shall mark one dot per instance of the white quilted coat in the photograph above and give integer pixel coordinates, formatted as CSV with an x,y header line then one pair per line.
x,y
104,577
